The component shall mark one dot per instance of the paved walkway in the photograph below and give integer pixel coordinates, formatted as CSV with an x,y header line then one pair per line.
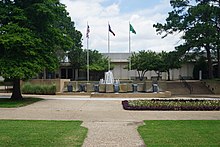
x,y
108,124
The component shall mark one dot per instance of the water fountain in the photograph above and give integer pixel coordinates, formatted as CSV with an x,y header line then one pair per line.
x,y
108,84
109,87
109,79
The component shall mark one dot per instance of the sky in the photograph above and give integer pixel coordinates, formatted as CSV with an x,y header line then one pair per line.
x,y
142,14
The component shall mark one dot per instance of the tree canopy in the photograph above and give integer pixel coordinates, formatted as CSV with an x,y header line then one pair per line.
x,y
31,31
144,61
199,23
97,61
169,60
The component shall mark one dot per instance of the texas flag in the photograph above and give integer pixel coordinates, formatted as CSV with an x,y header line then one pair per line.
x,y
110,30
87,31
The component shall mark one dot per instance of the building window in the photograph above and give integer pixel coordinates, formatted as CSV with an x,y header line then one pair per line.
x,y
63,73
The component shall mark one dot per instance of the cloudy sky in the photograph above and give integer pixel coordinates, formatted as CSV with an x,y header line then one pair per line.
x,y
142,14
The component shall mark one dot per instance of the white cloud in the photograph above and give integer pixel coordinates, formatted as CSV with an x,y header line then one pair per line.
x,y
112,10
98,16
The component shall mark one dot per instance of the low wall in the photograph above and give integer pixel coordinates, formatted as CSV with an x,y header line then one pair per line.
x,y
213,85
162,85
61,85
124,86
76,85
165,94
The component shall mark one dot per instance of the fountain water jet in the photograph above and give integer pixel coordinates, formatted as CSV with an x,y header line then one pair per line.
x,y
109,79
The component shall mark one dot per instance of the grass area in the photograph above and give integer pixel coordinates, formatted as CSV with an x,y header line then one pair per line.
x,y
8,103
181,133
27,133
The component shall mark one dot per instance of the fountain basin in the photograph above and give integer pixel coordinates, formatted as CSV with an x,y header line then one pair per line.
x,y
165,94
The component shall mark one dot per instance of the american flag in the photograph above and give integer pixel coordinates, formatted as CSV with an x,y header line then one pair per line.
x,y
87,32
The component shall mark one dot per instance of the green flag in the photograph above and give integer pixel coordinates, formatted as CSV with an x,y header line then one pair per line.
x,y
132,29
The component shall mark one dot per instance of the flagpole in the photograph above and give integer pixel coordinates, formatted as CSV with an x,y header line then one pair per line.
x,y
129,46
108,48
87,54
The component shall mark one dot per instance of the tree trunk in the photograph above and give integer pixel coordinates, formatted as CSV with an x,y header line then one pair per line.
x,y
218,50
139,75
218,46
210,68
142,75
76,74
168,72
16,94
218,56
158,76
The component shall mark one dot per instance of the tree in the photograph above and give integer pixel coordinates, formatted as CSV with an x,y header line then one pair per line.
x,y
97,62
144,61
201,65
77,58
197,24
170,60
20,56
151,61
30,33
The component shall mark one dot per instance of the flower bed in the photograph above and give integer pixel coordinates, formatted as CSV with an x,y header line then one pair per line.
x,y
176,105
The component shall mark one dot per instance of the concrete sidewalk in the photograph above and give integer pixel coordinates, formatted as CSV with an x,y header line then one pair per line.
x,y
108,124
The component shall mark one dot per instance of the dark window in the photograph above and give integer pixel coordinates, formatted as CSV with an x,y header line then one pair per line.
x,y
63,73
70,74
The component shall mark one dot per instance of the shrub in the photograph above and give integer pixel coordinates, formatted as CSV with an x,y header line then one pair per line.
x,y
29,88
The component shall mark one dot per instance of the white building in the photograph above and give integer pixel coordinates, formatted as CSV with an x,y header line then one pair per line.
x,y
120,61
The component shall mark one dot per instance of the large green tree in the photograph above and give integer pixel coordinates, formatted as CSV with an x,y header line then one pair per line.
x,y
31,31
196,20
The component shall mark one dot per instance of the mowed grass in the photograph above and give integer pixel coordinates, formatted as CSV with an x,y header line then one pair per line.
x,y
8,103
26,133
181,133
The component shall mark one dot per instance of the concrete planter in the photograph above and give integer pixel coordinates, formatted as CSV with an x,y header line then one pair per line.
x,y
109,88
89,87
140,87
129,87
123,88
102,88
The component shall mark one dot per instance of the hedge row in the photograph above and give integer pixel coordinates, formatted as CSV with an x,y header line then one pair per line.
x,y
28,88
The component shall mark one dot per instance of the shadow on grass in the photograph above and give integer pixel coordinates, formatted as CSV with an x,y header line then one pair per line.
x,y
9,103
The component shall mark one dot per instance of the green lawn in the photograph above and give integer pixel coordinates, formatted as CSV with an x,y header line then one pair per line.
x,y
26,133
181,133
8,103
